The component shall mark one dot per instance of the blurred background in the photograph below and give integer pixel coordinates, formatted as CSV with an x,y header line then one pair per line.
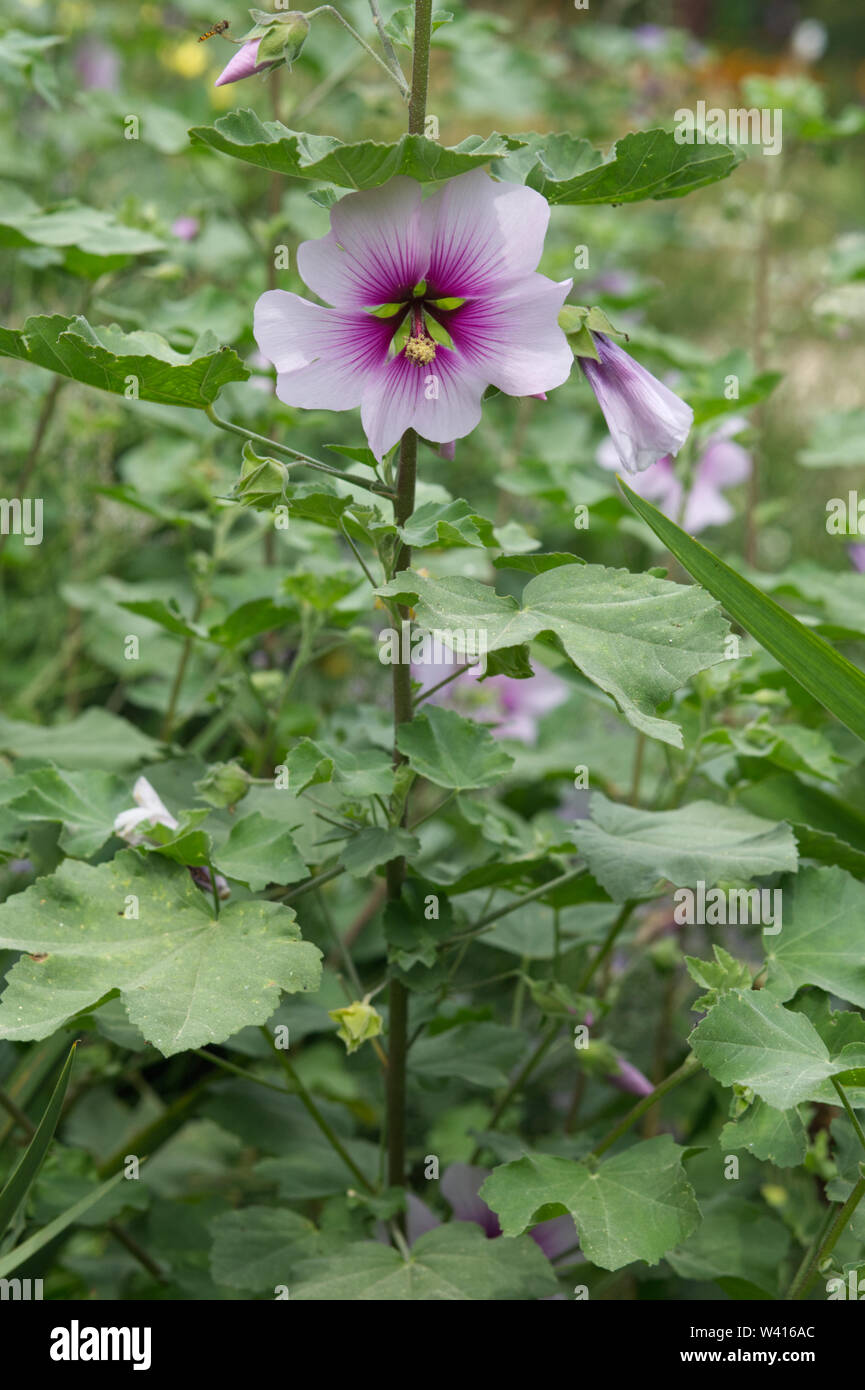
x,y
761,276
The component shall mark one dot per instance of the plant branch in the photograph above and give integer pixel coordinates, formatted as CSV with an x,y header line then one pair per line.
x,y
395,74
295,454
315,1114
688,1068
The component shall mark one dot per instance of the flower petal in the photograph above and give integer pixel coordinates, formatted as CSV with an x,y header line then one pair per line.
x,y
645,418
482,234
513,337
441,400
460,1184
375,251
324,357
243,64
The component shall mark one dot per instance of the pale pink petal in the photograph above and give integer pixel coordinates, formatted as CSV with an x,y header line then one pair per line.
x,y
375,252
482,234
441,400
419,1218
324,357
460,1185
645,418
243,64
724,463
555,1236
513,337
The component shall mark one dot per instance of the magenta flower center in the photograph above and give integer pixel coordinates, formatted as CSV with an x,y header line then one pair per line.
x,y
413,310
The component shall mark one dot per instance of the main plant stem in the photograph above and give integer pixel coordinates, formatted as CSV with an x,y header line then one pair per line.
x,y
402,713
402,699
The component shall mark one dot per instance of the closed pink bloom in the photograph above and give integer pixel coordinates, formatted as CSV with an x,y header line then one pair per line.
x,y
645,418
463,260
244,64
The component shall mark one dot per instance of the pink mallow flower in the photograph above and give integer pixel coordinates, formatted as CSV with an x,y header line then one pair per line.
x,y
460,1187
462,261
645,418
277,38
186,228
244,64
516,705
722,464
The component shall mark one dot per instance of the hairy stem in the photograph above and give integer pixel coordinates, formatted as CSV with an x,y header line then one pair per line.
x,y
294,454
315,1114
688,1068
402,713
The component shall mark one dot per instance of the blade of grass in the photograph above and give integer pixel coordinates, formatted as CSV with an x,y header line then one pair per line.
x,y
826,674
23,1176
13,1259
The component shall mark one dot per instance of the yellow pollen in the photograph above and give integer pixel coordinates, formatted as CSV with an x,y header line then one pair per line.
x,y
420,350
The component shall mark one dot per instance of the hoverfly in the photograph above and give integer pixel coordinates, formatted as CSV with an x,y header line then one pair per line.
x,y
219,28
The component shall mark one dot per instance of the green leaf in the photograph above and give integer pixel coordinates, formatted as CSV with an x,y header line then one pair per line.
x,y
258,1247
90,242
185,978
135,365
837,441
306,765
774,1136
24,1174
366,164
452,1263
94,739
258,615
13,1259
314,1169
821,941
452,751
646,164
749,1039
631,851
483,1054
825,674
84,803
637,637
166,615
260,851
717,976
455,524
375,845
536,564
736,1239
636,1206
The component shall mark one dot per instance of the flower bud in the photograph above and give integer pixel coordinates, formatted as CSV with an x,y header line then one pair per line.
x,y
224,784
358,1022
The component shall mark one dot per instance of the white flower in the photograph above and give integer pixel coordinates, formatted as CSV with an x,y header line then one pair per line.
x,y
149,808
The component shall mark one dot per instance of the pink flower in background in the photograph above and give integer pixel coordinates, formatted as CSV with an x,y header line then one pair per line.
x,y
856,551
98,66
722,464
645,418
186,228
462,261
517,705
460,1186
